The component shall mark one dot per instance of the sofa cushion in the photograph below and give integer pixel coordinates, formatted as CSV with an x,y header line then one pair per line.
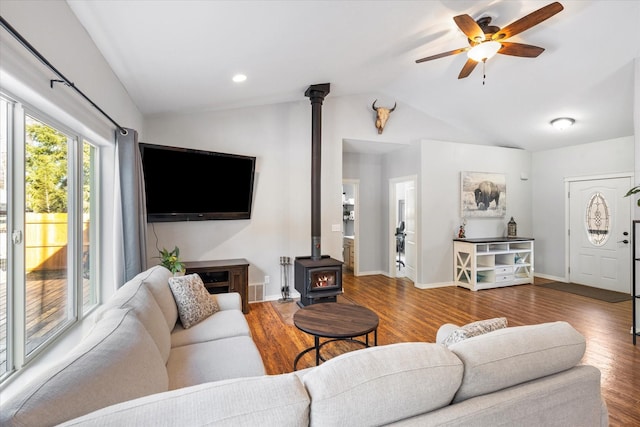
x,y
275,400
214,361
192,299
568,398
223,324
148,312
355,388
158,283
117,361
511,356
134,294
474,329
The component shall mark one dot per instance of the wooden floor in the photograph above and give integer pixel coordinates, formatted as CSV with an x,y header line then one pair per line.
x,y
410,314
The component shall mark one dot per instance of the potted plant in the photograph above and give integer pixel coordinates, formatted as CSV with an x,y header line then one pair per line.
x,y
171,260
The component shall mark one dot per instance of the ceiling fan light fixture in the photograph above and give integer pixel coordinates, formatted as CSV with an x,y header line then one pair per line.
x,y
483,51
562,123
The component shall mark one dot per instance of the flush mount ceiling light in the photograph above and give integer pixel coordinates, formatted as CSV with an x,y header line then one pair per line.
x,y
483,51
562,123
239,78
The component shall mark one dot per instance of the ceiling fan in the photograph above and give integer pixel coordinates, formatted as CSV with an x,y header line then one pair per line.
x,y
486,40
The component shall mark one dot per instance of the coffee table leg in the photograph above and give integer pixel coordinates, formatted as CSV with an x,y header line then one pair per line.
x,y
317,343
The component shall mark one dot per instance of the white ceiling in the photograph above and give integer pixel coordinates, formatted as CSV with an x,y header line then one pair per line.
x,y
181,55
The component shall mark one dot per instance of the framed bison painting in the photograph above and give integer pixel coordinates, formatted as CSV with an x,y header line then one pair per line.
x,y
483,194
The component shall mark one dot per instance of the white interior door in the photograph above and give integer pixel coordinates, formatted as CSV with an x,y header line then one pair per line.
x,y
599,233
410,256
402,197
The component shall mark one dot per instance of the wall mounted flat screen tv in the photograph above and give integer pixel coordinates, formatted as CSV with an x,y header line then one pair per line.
x,y
184,184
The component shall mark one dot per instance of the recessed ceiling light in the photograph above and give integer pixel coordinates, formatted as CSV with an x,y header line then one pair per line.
x,y
562,123
239,78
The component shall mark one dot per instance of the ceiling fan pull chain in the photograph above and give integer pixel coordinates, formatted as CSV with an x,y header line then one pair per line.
x,y
484,73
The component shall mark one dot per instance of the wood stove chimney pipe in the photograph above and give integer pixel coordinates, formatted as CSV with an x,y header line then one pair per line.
x,y
316,94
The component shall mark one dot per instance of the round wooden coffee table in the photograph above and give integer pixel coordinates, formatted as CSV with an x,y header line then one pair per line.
x,y
335,321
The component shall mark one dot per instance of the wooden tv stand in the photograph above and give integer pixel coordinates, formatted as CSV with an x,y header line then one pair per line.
x,y
223,276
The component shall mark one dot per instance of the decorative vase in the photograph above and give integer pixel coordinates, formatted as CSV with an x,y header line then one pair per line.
x,y
512,228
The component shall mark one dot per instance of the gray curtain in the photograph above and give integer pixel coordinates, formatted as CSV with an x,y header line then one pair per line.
x,y
131,212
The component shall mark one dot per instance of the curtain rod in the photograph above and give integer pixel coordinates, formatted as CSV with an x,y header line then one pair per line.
x,y
63,79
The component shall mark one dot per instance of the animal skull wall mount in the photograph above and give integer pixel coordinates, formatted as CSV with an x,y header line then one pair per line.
x,y
382,115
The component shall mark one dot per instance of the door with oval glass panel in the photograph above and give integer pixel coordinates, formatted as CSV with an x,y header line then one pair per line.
x,y
599,233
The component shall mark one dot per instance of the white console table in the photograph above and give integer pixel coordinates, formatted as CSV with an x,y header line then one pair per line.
x,y
492,262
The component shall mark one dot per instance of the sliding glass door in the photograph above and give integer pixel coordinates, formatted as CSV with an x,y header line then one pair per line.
x,y
4,137
48,297
48,231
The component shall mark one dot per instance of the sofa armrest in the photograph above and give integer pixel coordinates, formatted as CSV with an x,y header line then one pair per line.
x,y
444,331
230,301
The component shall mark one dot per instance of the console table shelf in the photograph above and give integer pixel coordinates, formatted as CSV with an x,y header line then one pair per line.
x,y
492,262
223,276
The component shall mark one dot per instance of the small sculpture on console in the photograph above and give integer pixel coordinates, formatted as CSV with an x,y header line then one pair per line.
x,y
461,232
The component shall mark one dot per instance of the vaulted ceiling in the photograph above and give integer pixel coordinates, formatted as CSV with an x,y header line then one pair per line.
x,y
180,56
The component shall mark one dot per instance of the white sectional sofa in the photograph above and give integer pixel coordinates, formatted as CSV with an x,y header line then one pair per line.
x,y
520,376
136,348
141,374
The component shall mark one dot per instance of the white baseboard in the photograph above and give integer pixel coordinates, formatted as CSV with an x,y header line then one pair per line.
x,y
433,285
372,273
549,277
275,297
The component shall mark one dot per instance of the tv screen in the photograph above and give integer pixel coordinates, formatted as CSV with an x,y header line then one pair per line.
x,y
184,184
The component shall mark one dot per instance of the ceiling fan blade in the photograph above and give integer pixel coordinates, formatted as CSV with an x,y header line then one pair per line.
x,y
526,22
519,49
443,54
467,68
469,27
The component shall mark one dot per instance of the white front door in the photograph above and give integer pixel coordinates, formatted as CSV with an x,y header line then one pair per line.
x,y
599,233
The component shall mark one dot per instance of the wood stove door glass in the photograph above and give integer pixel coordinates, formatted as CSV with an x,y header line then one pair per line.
x,y
323,279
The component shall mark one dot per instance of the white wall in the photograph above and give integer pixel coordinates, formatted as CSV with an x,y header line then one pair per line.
x,y
53,30
69,48
549,170
367,168
280,137
398,164
280,225
439,201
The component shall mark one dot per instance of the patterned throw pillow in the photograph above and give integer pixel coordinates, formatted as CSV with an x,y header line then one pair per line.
x,y
194,302
474,329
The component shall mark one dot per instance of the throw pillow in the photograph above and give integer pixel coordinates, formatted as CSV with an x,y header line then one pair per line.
x,y
192,299
474,329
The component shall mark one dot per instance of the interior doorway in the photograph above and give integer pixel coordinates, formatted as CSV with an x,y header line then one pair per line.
x,y
403,227
350,224
599,218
